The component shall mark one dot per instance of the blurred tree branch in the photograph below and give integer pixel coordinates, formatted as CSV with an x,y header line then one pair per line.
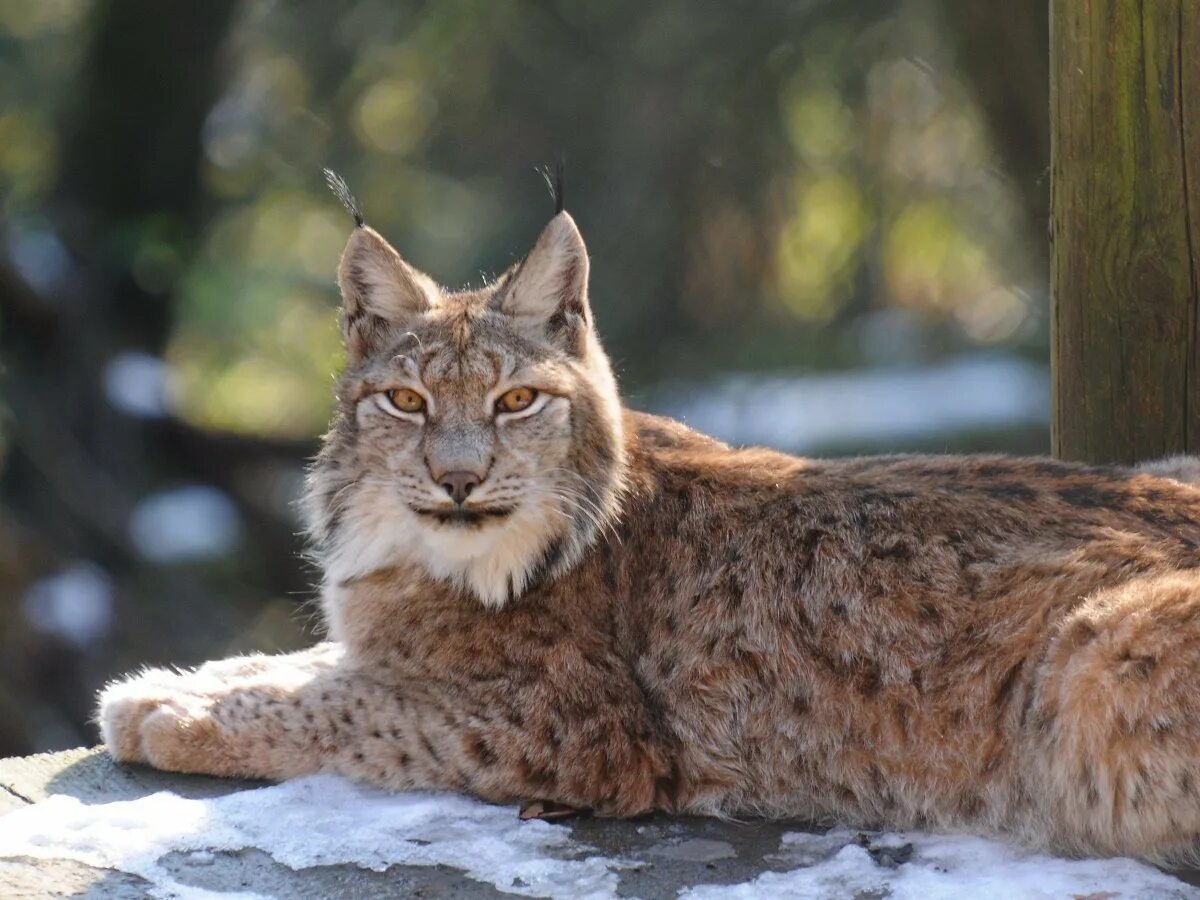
x,y
1005,53
75,465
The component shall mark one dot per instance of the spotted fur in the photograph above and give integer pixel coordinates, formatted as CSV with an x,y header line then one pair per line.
x,y
643,618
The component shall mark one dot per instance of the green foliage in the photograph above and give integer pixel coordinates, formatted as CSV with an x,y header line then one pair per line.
x,y
753,179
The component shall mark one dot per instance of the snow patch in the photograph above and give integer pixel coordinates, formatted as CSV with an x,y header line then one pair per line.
x,y
322,820
804,413
838,864
185,524
325,820
136,384
42,260
76,604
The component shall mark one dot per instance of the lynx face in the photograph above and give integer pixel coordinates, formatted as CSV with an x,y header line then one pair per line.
x,y
478,433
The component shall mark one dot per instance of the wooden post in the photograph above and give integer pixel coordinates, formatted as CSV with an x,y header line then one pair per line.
x,y
1125,228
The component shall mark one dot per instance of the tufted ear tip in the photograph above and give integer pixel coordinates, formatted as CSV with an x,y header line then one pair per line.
x,y
342,191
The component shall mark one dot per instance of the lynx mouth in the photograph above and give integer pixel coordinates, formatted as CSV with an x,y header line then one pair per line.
x,y
474,516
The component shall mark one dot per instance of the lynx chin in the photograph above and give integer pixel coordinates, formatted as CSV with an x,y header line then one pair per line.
x,y
532,592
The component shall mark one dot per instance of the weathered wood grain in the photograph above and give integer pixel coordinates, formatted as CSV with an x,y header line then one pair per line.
x,y
1125,227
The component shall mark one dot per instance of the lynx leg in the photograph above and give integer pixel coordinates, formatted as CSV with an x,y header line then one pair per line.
x,y
157,696
281,717
1113,726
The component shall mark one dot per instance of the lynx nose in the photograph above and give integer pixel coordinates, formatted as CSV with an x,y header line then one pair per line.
x,y
459,485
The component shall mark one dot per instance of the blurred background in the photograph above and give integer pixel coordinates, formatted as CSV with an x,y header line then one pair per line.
x,y
815,224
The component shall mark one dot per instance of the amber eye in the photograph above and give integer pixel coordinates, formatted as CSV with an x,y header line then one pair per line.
x,y
407,401
516,400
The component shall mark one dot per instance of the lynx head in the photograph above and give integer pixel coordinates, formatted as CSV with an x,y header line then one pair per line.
x,y
478,433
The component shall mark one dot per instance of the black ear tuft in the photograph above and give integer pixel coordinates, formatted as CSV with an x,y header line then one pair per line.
x,y
556,183
341,190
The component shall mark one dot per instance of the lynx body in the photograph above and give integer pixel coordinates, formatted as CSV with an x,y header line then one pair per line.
x,y
532,593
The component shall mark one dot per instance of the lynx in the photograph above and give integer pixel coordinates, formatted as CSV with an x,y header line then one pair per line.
x,y
533,593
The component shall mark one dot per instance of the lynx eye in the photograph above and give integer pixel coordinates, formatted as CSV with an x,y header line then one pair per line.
x,y
516,400
407,400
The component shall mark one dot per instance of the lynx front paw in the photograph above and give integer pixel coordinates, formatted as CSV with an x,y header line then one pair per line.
x,y
153,719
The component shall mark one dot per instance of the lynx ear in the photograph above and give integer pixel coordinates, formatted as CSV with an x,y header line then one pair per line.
x,y
380,291
547,294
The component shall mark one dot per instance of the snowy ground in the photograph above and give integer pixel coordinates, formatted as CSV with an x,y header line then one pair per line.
x,y
170,841
886,406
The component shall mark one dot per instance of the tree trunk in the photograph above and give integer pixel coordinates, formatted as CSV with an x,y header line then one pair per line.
x,y
73,465
1125,227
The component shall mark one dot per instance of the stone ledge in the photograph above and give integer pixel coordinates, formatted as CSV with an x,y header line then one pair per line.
x,y
704,850
659,856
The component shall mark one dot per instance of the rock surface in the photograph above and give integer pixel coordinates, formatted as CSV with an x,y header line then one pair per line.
x,y
657,857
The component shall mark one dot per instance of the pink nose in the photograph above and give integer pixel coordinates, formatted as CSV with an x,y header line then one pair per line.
x,y
458,485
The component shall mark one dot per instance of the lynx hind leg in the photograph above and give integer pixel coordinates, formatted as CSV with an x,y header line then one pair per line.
x,y
1113,724
1178,468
